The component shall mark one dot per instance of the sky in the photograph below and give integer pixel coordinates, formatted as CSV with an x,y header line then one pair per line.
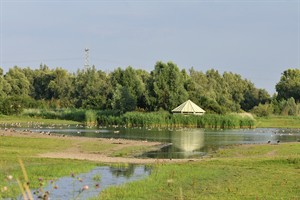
x,y
257,39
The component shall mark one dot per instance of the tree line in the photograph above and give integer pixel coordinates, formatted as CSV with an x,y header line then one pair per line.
x,y
129,89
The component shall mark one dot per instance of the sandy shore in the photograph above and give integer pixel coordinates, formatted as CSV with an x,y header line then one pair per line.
x,y
76,153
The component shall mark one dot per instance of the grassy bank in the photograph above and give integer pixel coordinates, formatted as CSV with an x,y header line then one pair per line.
x,y
89,117
27,148
240,172
26,120
13,148
156,119
278,122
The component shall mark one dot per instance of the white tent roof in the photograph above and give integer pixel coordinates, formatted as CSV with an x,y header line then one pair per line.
x,y
188,107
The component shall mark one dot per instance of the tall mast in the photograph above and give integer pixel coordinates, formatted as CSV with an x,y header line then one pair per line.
x,y
86,58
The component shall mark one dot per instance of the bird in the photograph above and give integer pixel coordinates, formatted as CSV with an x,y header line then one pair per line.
x,y
278,141
269,142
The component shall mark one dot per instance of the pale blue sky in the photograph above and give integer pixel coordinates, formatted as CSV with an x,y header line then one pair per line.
x,y
258,39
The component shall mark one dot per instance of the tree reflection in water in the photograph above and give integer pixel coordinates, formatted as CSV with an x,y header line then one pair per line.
x,y
188,141
125,170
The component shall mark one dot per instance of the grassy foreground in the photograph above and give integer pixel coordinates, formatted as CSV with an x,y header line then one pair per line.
x,y
237,172
13,148
240,172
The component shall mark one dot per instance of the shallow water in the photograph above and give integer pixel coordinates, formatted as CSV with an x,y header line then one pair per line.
x,y
98,179
181,143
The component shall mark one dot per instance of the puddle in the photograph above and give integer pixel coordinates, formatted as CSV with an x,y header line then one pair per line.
x,y
86,185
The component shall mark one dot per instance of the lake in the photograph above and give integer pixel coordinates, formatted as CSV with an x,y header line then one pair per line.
x,y
181,143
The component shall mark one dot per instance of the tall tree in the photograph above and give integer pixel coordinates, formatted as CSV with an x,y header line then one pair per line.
x,y
166,87
18,82
4,85
42,77
91,89
123,100
132,84
289,85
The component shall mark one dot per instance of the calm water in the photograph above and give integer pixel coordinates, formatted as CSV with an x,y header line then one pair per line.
x,y
182,143
97,180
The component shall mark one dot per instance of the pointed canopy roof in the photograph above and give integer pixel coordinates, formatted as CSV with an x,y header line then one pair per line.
x,y
189,107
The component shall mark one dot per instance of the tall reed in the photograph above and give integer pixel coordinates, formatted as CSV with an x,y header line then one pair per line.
x,y
144,119
165,119
91,118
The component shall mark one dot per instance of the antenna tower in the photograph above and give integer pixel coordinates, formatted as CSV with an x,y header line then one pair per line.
x,y
86,58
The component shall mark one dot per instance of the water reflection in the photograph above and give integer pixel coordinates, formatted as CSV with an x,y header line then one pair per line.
x,y
184,144
188,141
126,170
97,180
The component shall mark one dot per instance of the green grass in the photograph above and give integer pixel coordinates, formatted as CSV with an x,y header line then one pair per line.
x,y
27,149
13,148
278,122
260,151
89,117
240,172
24,120
130,151
237,172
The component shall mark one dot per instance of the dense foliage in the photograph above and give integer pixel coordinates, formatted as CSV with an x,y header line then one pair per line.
x,y
164,88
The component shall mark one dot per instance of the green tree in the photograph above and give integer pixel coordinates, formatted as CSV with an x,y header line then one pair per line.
x,y
132,81
166,87
253,97
41,79
123,100
289,85
18,82
289,107
91,89
5,87
263,110
61,87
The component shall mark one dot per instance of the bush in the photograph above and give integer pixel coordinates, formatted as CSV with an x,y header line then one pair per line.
x,y
14,105
263,110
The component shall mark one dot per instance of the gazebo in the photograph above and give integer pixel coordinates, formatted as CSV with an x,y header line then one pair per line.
x,y
188,108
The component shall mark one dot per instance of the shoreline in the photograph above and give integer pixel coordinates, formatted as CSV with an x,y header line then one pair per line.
x,y
75,153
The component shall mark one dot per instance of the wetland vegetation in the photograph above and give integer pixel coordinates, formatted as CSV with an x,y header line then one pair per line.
x,y
238,172
28,147
266,171
137,98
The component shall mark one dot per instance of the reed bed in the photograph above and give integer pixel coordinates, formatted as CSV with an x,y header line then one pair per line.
x,y
161,119
165,119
